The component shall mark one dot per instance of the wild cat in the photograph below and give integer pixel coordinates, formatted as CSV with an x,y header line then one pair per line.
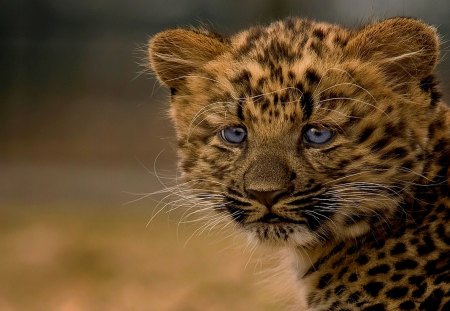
x,y
330,142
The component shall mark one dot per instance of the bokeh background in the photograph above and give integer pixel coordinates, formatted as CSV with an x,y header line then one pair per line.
x,y
84,133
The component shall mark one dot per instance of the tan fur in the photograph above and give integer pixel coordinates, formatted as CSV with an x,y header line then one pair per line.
x,y
351,206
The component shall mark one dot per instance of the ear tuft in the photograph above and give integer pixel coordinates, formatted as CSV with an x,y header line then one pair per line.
x,y
176,53
403,47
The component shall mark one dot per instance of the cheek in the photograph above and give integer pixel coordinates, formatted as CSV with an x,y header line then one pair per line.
x,y
209,163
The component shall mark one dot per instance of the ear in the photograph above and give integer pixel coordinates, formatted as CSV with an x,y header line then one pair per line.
x,y
403,47
176,53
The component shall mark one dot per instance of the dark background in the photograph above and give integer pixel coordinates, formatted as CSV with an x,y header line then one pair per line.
x,y
82,120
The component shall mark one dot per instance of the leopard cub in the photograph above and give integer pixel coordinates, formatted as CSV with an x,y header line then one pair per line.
x,y
331,143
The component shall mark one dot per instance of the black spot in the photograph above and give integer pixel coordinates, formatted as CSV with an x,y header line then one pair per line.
x,y
398,248
407,165
379,244
443,278
254,34
353,277
275,99
312,76
433,301
396,153
389,109
380,144
276,73
442,234
337,263
338,290
376,307
173,91
420,290
406,264
327,294
284,98
354,297
362,260
414,241
439,265
343,163
365,134
361,303
397,277
318,33
316,48
342,272
416,280
291,75
353,249
265,105
380,269
397,292
338,40
324,280
407,305
188,164
335,306
243,77
440,208
293,176
427,247
373,288
381,255
429,85
307,105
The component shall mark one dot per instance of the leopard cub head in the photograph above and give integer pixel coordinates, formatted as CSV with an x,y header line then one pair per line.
x,y
301,132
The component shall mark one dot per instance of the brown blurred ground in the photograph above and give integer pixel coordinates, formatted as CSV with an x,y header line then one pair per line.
x,y
91,260
81,251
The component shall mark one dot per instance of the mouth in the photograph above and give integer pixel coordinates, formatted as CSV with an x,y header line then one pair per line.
x,y
272,218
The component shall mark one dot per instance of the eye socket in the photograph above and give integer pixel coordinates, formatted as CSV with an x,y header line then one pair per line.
x,y
315,135
233,134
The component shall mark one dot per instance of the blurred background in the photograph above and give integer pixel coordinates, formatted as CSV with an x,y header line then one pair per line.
x,y
84,136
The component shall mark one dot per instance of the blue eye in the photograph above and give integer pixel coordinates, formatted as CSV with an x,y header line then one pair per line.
x,y
318,135
234,134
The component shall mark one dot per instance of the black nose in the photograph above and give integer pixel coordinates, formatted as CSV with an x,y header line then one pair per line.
x,y
268,198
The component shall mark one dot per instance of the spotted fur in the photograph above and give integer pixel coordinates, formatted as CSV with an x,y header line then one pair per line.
x,y
369,210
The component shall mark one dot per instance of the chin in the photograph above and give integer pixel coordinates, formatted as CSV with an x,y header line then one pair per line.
x,y
281,234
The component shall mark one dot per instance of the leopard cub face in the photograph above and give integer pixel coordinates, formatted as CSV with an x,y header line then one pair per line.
x,y
301,132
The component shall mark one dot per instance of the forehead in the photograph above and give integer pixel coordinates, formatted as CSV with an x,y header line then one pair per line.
x,y
278,72
290,73
289,39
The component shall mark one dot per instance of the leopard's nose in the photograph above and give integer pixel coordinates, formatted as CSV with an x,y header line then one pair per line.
x,y
267,198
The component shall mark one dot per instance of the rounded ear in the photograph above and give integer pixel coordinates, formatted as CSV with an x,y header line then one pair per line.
x,y
403,47
176,53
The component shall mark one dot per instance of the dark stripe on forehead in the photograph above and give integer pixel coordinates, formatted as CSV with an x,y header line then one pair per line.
x,y
240,110
307,105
